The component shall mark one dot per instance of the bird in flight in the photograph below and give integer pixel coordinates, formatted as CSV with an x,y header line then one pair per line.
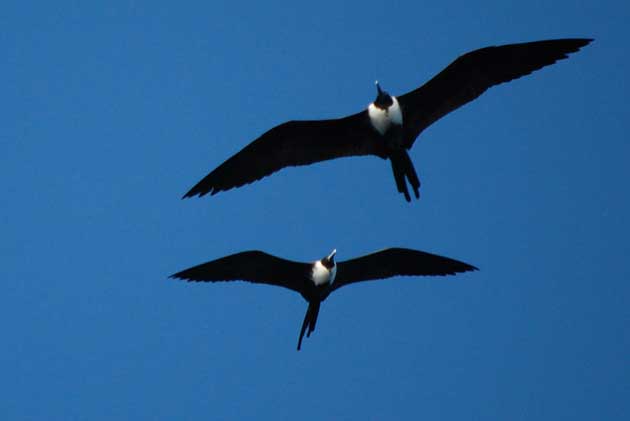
x,y
390,125
315,281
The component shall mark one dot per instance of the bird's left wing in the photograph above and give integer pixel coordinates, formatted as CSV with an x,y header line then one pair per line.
x,y
291,144
395,262
252,266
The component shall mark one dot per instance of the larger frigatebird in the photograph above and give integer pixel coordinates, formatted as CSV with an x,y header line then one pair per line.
x,y
315,281
390,124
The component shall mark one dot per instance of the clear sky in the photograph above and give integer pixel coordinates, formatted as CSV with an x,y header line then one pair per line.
x,y
111,112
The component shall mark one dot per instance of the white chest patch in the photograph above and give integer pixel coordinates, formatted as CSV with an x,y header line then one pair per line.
x,y
381,119
322,275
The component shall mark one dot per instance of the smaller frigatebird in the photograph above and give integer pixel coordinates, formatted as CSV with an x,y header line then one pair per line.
x,y
315,281
390,125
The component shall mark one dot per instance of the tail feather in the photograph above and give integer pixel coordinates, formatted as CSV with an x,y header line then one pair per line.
x,y
314,314
399,176
402,167
310,319
304,325
411,175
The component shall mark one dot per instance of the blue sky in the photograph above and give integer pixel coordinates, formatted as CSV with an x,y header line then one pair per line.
x,y
111,112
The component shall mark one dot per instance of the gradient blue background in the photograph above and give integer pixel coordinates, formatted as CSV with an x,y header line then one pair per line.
x,y
111,112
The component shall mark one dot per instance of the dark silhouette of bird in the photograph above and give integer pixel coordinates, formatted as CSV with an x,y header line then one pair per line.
x,y
315,281
390,124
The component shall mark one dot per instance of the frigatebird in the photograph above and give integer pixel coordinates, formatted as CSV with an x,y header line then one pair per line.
x,y
315,281
390,124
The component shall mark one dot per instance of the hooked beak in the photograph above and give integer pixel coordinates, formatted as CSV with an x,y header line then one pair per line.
x,y
378,88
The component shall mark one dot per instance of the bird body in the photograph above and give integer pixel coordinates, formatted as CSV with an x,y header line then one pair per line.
x,y
317,280
390,124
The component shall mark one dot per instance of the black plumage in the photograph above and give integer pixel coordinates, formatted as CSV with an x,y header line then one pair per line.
x,y
297,143
262,268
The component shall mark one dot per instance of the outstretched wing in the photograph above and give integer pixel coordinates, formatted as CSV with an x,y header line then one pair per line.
x,y
291,144
472,74
252,266
396,262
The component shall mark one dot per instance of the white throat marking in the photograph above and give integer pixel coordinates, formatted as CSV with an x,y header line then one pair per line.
x,y
322,275
381,119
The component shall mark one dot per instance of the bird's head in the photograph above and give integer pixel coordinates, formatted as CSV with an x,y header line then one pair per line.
x,y
383,99
329,261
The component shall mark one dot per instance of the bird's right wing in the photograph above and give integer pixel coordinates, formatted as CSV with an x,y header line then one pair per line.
x,y
293,143
473,73
395,262
252,266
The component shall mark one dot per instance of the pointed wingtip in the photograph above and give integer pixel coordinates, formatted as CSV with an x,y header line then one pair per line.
x,y
460,267
465,267
471,268
190,193
587,41
199,193
582,42
202,188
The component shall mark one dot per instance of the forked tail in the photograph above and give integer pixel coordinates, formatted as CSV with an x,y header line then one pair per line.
x,y
402,167
310,319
